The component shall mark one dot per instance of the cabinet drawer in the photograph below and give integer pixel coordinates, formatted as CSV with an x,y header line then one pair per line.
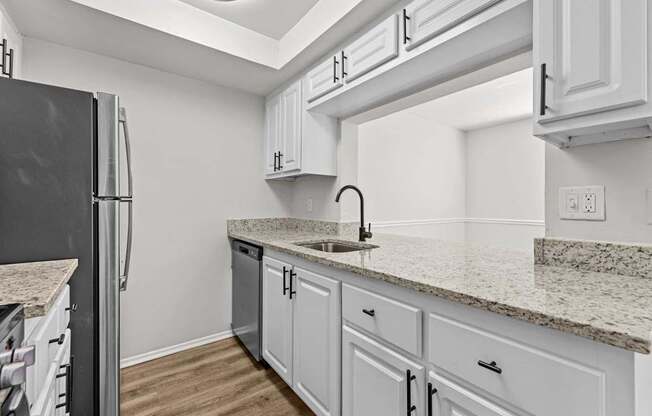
x,y
451,399
519,374
393,321
60,306
45,404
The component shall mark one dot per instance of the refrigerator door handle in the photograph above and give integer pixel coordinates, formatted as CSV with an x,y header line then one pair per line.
x,y
122,118
124,277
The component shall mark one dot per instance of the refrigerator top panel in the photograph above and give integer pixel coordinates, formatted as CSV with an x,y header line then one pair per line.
x,y
109,181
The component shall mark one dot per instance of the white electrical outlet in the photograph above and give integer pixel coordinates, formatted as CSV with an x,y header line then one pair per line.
x,y
582,203
309,204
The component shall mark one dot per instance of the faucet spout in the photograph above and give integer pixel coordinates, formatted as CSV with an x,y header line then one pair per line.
x,y
364,233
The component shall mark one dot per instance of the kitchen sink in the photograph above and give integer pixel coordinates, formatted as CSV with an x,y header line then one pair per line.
x,y
336,246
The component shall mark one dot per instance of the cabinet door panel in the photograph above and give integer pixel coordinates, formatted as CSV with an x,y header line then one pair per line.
x,y
324,78
290,143
430,18
277,320
317,320
272,132
374,378
595,53
453,400
372,49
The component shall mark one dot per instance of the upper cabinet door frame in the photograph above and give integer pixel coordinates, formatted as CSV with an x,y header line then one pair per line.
x,y
290,141
595,56
272,132
371,50
426,19
324,78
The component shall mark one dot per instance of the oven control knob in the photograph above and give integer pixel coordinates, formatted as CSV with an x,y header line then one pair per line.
x,y
26,355
12,375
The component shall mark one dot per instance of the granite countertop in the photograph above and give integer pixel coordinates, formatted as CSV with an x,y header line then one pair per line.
x,y
613,309
35,285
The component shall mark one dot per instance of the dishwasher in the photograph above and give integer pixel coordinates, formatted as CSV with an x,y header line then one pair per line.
x,y
246,300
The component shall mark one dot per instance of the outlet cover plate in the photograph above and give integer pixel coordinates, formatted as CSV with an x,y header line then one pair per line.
x,y
584,203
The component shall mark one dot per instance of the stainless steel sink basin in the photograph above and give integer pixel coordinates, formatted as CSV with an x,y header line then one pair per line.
x,y
336,246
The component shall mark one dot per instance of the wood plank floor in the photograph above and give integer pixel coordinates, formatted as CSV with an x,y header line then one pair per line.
x,y
216,379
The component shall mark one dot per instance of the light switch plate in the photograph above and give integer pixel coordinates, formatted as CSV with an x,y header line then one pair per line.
x,y
585,203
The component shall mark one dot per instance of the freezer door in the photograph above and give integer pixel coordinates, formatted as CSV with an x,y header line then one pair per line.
x,y
109,305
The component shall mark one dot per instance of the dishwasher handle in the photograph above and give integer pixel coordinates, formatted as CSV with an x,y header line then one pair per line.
x,y
247,249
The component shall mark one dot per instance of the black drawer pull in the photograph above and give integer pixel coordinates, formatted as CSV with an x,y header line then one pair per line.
x,y
431,392
409,379
73,308
369,312
492,366
59,340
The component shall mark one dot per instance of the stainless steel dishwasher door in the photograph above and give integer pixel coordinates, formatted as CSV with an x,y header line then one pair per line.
x,y
246,308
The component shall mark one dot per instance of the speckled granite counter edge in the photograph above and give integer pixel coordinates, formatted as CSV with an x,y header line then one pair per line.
x,y
39,304
33,311
292,224
613,338
596,256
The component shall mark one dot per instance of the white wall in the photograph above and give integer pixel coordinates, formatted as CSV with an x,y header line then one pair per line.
x,y
198,161
505,180
411,168
625,168
421,178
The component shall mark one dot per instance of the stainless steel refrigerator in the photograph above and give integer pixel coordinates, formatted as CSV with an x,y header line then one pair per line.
x,y
66,191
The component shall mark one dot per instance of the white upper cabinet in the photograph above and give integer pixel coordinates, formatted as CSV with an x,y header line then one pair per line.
x,y
317,326
290,143
371,50
298,142
324,78
592,56
378,381
277,318
426,19
592,80
272,134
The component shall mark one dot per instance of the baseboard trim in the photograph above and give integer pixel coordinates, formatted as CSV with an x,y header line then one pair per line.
x,y
162,352
501,221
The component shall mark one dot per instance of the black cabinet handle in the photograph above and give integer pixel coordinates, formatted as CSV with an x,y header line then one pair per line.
x,y
410,378
431,392
285,288
369,312
492,366
406,38
335,63
275,161
67,395
344,58
544,78
73,308
7,69
292,276
280,166
59,340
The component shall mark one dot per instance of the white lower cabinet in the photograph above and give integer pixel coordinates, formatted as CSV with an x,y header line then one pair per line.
x,y
316,368
48,385
360,347
277,318
301,333
377,381
449,399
